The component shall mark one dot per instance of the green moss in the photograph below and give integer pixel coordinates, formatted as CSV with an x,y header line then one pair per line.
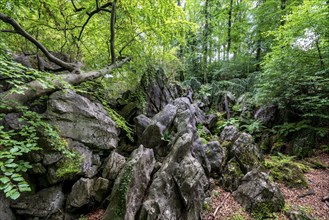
x,y
266,211
122,191
285,170
69,167
237,216
227,144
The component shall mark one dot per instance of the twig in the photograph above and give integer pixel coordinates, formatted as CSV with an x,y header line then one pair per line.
x,y
220,205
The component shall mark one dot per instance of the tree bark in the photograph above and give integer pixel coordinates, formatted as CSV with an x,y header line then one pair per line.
x,y
229,28
205,41
19,30
112,40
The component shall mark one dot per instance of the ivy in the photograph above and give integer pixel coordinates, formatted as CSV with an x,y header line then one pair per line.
x,y
15,143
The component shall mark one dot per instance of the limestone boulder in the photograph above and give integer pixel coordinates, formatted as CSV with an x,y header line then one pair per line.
x,y
257,194
82,120
113,165
43,204
5,211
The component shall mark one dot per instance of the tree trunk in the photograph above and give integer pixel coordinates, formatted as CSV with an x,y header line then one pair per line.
x,y
112,40
229,28
205,41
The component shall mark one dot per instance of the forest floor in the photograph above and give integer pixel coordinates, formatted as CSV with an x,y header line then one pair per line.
x,y
308,199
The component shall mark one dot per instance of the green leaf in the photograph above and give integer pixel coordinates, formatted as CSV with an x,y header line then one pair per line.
x,y
4,179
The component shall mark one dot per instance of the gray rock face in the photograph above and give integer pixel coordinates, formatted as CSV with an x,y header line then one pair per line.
x,y
5,211
216,155
257,194
232,175
267,114
80,194
246,152
152,136
11,121
38,168
177,189
141,123
230,133
113,165
89,166
51,158
42,204
80,119
101,186
130,186
158,92
242,156
166,116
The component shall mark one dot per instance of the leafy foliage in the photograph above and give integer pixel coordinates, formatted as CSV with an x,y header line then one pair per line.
x,y
16,143
295,73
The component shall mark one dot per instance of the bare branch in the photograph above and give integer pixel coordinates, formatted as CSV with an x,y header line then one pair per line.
x,y
9,31
75,7
92,13
7,19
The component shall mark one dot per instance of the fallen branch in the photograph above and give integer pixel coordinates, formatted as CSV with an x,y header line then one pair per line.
x,y
35,89
220,205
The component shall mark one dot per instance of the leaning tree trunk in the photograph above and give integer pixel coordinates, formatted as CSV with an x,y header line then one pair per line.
x,y
35,89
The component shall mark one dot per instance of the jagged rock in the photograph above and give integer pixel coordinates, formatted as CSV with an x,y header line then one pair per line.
x,y
130,186
87,168
34,156
199,152
247,153
80,194
166,116
229,133
216,155
267,114
158,92
182,104
100,188
141,123
5,211
51,157
257,194
42,204
80,119
52,177
152,136
212,120
185,122
242,156
177,190
38,168
11,121
231,175
113,165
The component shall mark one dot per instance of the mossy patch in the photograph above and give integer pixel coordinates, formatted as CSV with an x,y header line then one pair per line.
x,y
286,170
122,191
